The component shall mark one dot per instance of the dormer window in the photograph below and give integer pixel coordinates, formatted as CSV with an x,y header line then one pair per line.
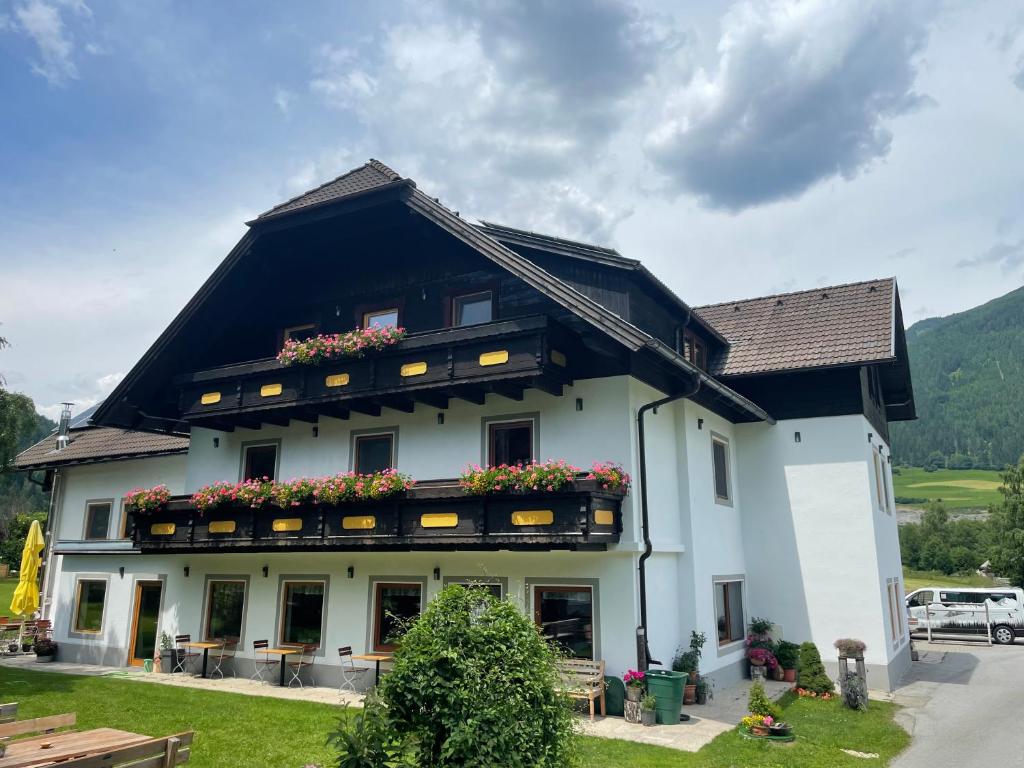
x,y
381,318
472,308
694,349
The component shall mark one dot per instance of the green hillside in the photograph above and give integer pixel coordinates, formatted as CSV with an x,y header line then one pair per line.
x,y
968,373
954,488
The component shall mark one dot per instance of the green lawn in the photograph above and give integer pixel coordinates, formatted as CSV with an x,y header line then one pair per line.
x,y
6,593
233,730
916,579
955,488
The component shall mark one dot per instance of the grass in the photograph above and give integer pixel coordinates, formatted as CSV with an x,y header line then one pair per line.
x,y
955,488
6,594
917,579
233,730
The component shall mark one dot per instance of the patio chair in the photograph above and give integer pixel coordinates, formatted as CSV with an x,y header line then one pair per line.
x,y
267,663
224,654
303,661
350,673
185,657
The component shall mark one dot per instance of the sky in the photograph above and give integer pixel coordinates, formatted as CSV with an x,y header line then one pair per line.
x,y
737,148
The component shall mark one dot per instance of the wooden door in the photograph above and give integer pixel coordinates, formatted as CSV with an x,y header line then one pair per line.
x,y
142,642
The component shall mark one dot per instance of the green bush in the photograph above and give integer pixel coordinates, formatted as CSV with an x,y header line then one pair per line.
x,y
787,653
760,704
810,673
474,684
368,740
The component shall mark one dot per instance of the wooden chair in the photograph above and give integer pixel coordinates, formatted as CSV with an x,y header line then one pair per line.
x,y
303,660
185,657
262,665
350,673
155,753
223,654
8,712
583,679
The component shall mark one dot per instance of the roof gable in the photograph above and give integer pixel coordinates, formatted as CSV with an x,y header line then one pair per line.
x,y
366,178
91,444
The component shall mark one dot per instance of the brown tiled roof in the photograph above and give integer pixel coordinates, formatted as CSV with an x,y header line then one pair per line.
x,y
94,444
838,325
362,179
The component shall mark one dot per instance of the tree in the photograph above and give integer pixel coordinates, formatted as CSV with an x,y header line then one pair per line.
x,y
811,674
936,460
1007,524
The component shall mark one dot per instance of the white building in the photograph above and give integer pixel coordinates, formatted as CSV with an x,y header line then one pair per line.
x,y
768,485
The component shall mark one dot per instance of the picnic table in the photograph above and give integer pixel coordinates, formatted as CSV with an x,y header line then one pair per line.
x,y
376,658
284,653
57,747
205,647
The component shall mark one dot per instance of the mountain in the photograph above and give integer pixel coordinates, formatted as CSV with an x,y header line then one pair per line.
x,y
968,374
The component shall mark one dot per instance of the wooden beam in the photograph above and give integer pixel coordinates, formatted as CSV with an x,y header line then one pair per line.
x,y
397,403
305,414
362,406
247,423
547,385
433,399
334,410
473,395
278,420
219,424
511,391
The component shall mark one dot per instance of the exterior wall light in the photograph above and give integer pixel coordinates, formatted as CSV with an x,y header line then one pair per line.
x,y
186,571
437,574
351,572
266,571
870,437
579,403
440,418
121,571
316,430
796,437
216,442
700,423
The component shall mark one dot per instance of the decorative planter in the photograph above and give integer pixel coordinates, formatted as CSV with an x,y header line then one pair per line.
x,y
702,695
26,647
12,647
631,711
780,729
759,730
690,694
693,677
168,660
45,659
778,673
789,675
633,692
758,672
648,716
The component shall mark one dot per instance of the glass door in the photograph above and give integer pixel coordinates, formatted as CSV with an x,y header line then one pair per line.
x,y
144,622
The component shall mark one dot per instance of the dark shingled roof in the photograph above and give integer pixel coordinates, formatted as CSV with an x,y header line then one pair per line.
x,y
92,444
362,179
840,325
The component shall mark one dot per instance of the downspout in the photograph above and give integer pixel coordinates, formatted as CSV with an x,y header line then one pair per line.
x,y
644,659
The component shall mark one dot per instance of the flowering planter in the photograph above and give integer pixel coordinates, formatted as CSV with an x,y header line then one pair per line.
x,y
759,730
633,692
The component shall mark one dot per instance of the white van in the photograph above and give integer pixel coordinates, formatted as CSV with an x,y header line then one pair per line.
x,y
961,610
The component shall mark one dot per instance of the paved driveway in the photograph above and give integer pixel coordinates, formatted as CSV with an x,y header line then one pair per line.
x,y
964,706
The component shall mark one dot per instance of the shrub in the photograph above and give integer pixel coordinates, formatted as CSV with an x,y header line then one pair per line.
x,y
760,704
855,692
474,683
811,675
367,740
685,661
847,646
760,626
787,654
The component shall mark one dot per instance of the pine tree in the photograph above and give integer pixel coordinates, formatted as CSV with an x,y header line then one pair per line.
x,y
811,673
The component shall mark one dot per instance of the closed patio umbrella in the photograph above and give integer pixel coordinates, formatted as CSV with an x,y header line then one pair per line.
x,y
26,594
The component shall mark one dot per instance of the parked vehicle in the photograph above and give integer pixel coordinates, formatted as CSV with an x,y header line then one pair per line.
x,y
962,610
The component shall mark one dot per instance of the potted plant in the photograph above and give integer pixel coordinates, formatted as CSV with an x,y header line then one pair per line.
x,y
780,729
849,648
758,725
787,654
168,653
634,681
648,710
697,640
45,648
702,690
686,662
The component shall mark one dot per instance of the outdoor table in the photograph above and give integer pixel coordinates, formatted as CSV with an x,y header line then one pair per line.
x,y
205,646
57,747
377,658
284,653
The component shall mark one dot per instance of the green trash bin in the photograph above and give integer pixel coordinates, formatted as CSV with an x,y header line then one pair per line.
x,y
614,695
667,687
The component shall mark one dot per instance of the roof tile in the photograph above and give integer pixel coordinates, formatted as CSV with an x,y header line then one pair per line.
x,y
362,179
96,443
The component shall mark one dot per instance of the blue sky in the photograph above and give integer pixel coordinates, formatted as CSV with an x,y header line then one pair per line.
x,y
738,148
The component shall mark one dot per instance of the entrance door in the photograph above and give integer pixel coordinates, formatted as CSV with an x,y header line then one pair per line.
x,y
144,621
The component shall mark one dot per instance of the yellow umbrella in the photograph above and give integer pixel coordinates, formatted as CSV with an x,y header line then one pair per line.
x,y
26,595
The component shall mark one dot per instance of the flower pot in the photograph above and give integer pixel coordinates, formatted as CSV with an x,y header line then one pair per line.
x,y
778,673
12,647
633,692
759,730
44,659
690,694
780,729
648,716
693,677
702,695
26,647
789,675
757,662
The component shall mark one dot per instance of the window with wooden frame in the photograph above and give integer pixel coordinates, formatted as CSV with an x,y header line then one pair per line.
x,y
472,308
373,452
225,608
694,349
722,475
893,612
394,605
880,491
90,595
729,616
259,461
299,332
565,615
381,318
510,442
97,520
302,612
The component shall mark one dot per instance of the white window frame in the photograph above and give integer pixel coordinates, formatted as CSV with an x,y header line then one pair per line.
x,y
716,583
88,510
726,501
276,443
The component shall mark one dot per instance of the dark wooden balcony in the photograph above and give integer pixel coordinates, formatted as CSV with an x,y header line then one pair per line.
x,y
434,515
504,357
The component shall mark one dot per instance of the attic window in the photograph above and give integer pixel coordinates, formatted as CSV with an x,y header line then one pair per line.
x,y
695,350
381,318
472,308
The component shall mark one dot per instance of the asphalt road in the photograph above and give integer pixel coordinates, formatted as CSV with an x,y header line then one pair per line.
x,y
964,705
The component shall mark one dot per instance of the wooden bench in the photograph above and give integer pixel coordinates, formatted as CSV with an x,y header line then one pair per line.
x,y
583,679
155,753
8,712
36,725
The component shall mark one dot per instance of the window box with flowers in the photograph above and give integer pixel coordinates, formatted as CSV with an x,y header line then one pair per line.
x,y
543,477
352,344
147,499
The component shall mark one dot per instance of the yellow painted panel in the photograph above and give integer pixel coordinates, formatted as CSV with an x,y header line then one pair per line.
x,y
162,529
269,390
336,380
439,520
533,517
287,524
498,357
359,522
414,369
604,517
558,358
222,526
209,398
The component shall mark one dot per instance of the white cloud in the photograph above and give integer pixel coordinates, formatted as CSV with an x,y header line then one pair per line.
x,y
802,91
83,392
1008,256
283,99
43,22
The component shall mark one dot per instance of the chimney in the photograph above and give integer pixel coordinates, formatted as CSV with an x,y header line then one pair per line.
x,y
64,427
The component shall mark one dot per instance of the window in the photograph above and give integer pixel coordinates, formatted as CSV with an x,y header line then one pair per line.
x,y
473,308
303,612
565,616
495,587
694,350
921,599
225,604
89,606
879,481
299,332
895,611
885,486
97,519
729,611
381,318
260,461
394,606
510,442
373,453
720,460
